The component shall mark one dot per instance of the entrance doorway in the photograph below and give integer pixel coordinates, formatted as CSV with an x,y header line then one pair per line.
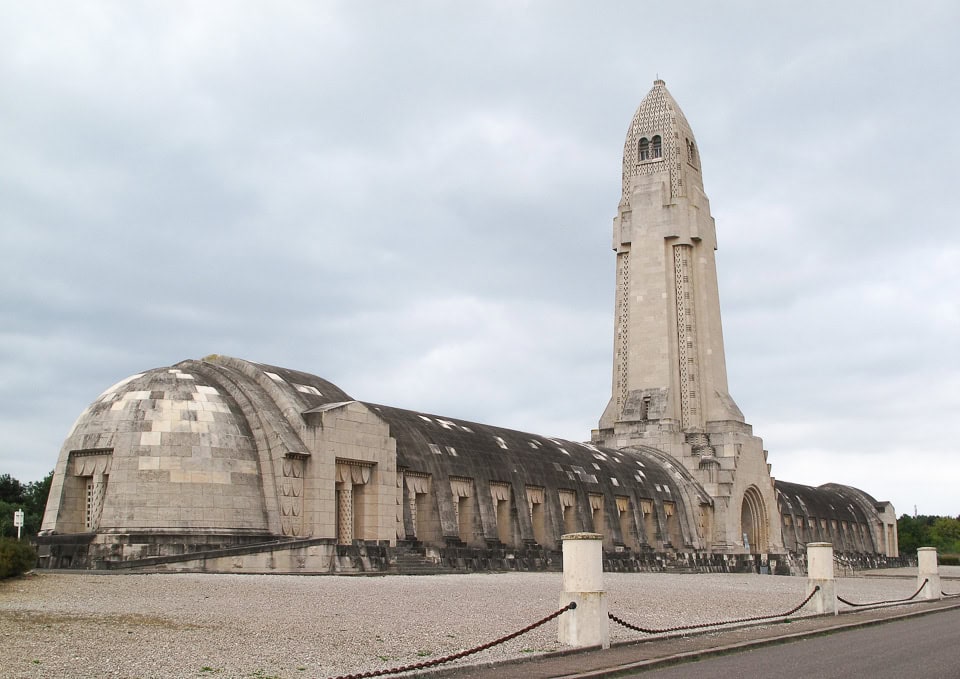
x,y
753,522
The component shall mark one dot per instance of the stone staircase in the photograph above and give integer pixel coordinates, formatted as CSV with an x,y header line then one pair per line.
x,y
411,561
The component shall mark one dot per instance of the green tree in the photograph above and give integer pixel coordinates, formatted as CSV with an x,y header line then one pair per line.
x,y
35,496
11,490
913,532
942,532
30,497
945,535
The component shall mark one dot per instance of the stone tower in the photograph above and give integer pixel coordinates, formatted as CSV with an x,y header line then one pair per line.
x,y
669,370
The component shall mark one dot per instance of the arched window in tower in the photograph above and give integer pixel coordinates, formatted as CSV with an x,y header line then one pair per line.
x,y
655,147
644,149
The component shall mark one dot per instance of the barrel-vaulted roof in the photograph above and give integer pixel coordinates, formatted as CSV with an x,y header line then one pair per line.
x,y
829,501
429,443
454,447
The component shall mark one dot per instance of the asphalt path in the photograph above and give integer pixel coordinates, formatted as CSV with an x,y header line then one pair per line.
x,y
921,647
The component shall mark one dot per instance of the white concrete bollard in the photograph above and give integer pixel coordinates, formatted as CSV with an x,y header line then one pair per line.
x,y
587,624
928,569
820,572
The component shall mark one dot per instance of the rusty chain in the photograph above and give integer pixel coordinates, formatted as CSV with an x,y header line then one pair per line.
x,y
462,654
681,628
893,601
645,630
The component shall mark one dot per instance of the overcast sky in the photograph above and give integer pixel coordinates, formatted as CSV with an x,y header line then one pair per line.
x,y
414,201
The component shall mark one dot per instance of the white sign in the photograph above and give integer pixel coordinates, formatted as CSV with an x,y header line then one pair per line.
x,y
18,521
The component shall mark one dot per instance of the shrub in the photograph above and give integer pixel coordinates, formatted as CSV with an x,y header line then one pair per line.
x,y
16,557
950,559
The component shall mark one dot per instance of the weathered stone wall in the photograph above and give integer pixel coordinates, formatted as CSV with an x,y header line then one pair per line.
x,y
161,451
285,455
249,452
526,489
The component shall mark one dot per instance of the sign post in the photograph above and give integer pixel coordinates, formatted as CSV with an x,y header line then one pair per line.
x,y
18,521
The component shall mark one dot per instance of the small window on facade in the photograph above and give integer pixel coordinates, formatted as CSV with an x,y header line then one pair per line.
x,y
645,407
644,149
655,151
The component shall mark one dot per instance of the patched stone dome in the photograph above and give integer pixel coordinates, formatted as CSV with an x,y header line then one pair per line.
x,y
176,452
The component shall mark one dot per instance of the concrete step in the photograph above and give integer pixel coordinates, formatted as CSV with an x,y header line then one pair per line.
x,y
417,564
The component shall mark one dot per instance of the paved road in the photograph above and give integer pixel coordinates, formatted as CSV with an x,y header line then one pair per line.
x,y
922,647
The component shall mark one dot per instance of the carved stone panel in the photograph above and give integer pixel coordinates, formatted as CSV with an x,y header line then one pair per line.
x,y
291,497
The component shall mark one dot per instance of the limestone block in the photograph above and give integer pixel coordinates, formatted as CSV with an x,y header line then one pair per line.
x,y
824,602
820,573
928,570
146,516
586,625
582,581
150,438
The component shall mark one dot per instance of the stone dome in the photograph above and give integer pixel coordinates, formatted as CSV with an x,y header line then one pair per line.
x,y
176,451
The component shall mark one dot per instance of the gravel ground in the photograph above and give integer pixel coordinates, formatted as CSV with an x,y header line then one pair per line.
x,y
198,625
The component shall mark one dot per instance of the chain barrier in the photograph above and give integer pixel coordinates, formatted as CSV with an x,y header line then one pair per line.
x,y
644,630
462,654
948,596
681,628
893,601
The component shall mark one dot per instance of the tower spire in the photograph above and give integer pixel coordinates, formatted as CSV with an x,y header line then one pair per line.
x,y
669,364
669,385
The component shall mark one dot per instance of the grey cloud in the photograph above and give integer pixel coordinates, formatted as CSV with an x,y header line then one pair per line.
x,y
414,201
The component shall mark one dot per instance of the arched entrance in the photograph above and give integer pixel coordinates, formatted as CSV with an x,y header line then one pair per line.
x,y
753,522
